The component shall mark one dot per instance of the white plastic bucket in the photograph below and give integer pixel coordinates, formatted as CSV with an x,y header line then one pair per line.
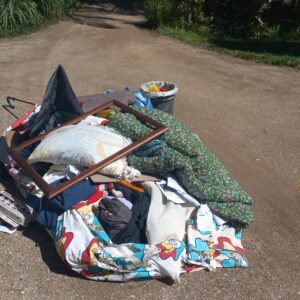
x,y
161,100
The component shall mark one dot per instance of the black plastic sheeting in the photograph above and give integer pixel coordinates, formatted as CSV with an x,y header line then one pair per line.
x,y
60,104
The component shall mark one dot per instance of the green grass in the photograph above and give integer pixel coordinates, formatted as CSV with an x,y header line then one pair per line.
x,y
19,17
18,13
11,33
273,52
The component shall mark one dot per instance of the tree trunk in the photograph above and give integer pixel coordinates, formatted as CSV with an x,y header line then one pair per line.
x,y
190,12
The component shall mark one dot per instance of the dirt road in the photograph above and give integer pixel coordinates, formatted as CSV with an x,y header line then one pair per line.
x,y
247,114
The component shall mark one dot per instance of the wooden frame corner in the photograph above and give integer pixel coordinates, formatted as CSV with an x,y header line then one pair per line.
x,y
51,192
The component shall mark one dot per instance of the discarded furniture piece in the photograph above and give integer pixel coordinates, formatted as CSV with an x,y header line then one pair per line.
x,y
51,192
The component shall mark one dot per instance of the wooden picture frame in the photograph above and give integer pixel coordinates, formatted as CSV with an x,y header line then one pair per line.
x,y
51,192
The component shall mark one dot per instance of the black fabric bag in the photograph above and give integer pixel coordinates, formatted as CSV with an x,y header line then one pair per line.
x,y
60,104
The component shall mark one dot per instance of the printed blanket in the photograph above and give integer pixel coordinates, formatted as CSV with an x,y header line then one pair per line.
x,y
196,168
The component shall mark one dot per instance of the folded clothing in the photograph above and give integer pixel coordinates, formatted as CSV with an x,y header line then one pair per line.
x,y
123,200
51,209
135,229
166,219
113,215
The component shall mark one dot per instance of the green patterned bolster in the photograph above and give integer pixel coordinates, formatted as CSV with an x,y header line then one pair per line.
x,y
129,126
196,168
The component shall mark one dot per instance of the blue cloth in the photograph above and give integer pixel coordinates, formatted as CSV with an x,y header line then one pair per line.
x,y
51,209
142,101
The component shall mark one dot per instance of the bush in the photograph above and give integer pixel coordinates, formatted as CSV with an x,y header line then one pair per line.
x,y
239,18
279,33
55,9
163,12
174,13
18,13
21,14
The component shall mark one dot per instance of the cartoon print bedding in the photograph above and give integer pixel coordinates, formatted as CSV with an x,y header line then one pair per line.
x,y
84,246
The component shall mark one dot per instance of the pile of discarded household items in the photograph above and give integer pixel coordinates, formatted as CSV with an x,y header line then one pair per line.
x,y
125,191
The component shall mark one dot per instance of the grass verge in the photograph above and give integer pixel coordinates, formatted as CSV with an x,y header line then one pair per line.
x,y
272,52
19,17
11,33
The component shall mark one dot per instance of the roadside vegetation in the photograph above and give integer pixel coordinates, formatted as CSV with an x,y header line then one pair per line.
x,y
267,31
23,16
260,30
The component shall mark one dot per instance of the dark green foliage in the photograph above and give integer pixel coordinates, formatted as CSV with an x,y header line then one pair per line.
x,y
174,13
239,18
284,14
51,9
163,12
55,9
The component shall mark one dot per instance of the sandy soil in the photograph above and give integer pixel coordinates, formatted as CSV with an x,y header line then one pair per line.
x,y
247,114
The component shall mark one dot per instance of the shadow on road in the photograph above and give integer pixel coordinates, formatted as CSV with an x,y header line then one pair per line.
x,y
89,16
259,46
131,7
99,13
38,234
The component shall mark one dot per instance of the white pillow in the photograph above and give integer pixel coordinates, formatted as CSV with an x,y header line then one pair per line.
x,y
82,145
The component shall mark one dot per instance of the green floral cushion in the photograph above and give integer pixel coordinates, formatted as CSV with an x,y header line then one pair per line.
x,y
196,168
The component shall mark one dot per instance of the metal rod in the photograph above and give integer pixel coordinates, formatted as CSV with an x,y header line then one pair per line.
x,y
9,98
